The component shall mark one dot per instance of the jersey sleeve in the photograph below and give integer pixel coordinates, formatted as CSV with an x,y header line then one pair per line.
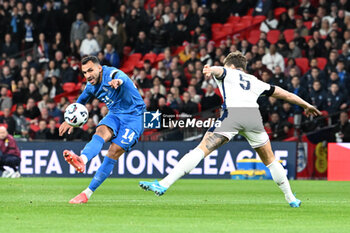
x,y
262,87
118,74
85,96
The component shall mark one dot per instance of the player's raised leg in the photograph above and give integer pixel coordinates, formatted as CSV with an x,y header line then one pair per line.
x,y
188,162
278,173
114,152
91,149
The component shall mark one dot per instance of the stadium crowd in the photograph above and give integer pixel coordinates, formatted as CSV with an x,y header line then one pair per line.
x,y
43,41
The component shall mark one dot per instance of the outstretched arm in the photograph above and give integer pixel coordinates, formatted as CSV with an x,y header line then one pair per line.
x,y
280,93
217,71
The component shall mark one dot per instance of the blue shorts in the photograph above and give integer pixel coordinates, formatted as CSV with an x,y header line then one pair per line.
x,y
127,128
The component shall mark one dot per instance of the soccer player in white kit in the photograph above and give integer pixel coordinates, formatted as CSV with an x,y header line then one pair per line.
x,y
240,115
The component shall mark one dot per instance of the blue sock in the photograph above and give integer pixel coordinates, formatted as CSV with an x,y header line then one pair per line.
x,y
93,147
102,173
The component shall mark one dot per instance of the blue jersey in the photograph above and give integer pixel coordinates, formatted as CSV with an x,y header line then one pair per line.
x,y
125,99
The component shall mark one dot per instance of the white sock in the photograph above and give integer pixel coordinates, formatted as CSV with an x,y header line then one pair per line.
x,y
84,158
279,176
185,165
88,192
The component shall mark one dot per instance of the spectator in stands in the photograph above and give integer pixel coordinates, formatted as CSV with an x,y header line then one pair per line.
x,y
52,131
298,90
49,20
42,50
301,29
98,35
171,102
291,64
142,45
318,96
334,78
79,29
63,104
55,87
335,42
95,112
14,68
312,50
306,16
155,96
294,50
157,82
5,101
89,45
204,57
163,108
180,35
262,7
325,28
336,101
159,37
33,92
260,68
39,83
59,45
28,33
342,73
119,31
90,131
10,154
341,131
22,126
41,134
279,129
310,78
111,55
187,106
274,105
142,80
75,49
43,103
284,22
270,23
32,111
210,100
278,78
6,76
9,47
102,59
19,93
67,73
8,120
58,58
240,8
133,26
195,98
53,111
273,59
332,14
286,111
52,70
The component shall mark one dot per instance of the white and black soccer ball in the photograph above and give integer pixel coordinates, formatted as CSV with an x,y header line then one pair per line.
x,y
76,115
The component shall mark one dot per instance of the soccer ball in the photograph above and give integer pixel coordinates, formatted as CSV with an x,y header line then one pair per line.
x,y
76,115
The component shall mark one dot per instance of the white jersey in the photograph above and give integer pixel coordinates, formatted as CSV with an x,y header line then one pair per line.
x,y
240,89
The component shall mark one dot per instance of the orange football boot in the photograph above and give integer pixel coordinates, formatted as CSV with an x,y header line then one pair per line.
x,y
74,160
79,199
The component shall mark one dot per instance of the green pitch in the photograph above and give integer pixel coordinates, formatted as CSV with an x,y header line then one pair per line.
x,y
41,205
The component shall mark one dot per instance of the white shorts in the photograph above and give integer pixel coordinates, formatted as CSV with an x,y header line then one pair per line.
x,y
244,121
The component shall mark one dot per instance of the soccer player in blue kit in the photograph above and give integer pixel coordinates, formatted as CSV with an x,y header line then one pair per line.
x,y
123,125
